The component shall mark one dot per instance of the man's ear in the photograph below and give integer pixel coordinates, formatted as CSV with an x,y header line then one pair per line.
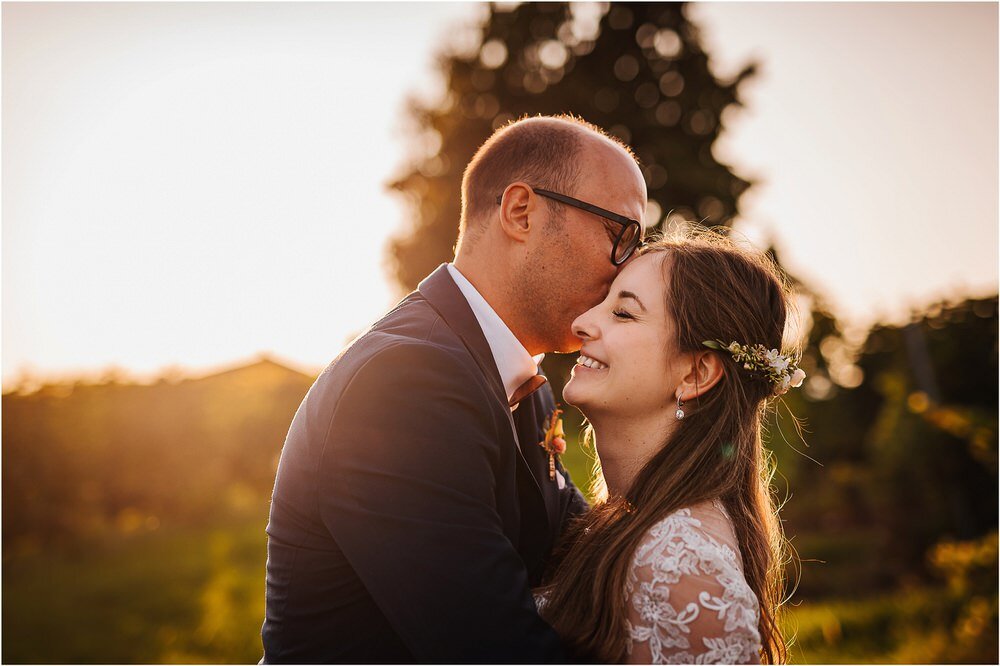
x,y
705,372
518,205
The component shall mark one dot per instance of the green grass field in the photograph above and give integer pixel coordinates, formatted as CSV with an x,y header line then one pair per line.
x,y
197,596
184,597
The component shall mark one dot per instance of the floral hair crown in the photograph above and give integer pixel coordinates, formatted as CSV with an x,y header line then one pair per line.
x,y
782,371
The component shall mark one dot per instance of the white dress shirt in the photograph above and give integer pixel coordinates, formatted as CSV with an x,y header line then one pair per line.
x,y
514,363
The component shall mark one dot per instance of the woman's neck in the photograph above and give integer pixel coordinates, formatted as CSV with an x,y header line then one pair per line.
x,y
625,445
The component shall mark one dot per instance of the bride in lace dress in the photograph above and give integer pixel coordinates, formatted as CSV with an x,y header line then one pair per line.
x,y
680,560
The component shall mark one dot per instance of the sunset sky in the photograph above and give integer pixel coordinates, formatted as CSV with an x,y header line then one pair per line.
x,y
190,185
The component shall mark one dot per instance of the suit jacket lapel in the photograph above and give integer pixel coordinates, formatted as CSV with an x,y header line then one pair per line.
x,y
445,296
447,299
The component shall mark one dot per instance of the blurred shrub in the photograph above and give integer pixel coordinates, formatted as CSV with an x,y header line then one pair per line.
x,y
916,626
968,566
81,460
951,625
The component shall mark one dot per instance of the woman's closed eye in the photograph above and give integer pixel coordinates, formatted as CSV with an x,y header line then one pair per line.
x,y
622,314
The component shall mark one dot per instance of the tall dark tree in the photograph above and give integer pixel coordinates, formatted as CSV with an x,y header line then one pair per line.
x,y
637,69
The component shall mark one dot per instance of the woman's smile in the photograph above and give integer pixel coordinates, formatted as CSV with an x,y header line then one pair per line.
x,y
590,363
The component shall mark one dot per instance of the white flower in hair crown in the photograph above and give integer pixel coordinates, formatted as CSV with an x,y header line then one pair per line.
x,y
782,371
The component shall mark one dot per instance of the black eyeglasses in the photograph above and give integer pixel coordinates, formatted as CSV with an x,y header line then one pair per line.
x,y
626,241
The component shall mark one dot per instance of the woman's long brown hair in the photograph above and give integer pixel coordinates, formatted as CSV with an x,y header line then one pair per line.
x,y
715,291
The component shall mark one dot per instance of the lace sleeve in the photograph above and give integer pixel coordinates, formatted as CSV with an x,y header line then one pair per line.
x,y
688,600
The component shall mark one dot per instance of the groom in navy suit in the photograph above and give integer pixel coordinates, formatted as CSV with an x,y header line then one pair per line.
x,y
413,508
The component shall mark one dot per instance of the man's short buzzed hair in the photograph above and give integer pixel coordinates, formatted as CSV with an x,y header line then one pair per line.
x,y
542,151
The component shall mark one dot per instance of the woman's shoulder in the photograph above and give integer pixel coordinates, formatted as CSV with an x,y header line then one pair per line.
x,y
688,599
701,534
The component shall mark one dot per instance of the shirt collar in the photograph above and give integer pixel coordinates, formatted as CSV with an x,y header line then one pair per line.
x,y
514,363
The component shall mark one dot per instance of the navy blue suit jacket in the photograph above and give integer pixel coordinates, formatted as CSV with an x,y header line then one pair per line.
x,y
412,510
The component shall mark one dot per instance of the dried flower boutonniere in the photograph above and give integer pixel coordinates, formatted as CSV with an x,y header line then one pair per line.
x,y
555,441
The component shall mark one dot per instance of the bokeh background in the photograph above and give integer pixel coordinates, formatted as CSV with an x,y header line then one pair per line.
x,y
203,202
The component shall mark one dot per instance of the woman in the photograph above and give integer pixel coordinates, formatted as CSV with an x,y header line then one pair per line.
x,y
680,559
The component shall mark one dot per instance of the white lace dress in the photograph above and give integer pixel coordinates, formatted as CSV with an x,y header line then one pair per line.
x,y
687,598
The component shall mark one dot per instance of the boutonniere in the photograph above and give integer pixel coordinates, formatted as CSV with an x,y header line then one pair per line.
x,y
555,440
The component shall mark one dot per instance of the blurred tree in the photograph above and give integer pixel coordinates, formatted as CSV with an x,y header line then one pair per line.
x,y
904,428
933,447
638,70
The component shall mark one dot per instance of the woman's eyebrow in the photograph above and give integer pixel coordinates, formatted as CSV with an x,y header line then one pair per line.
x,y
629,294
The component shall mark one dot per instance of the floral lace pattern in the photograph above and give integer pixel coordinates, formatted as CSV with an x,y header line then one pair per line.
x,y
688,600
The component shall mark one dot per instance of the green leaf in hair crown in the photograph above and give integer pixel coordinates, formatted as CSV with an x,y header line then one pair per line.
x,y
782,370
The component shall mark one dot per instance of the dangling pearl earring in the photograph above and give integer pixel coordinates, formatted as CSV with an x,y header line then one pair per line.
x,y
680,412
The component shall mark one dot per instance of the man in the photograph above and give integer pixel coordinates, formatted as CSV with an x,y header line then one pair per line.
x,y
413,508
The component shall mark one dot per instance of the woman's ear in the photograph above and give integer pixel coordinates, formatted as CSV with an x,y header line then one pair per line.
x,y
706,371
